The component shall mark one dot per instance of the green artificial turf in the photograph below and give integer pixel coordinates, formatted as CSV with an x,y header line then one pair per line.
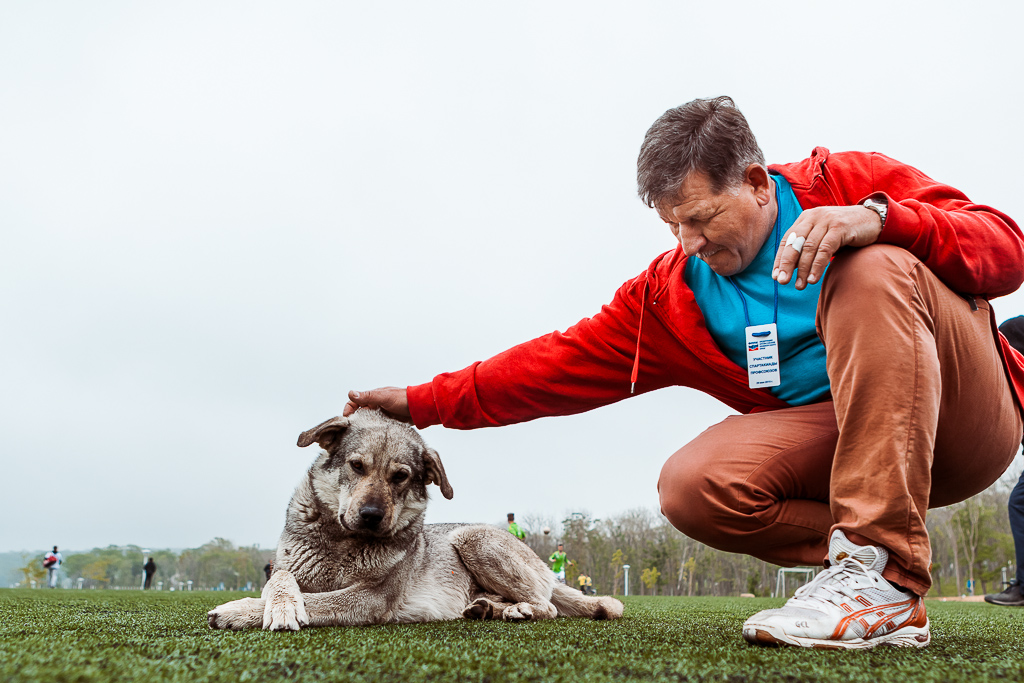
x,y
57,636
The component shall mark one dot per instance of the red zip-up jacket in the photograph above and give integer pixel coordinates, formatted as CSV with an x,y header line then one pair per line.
x,y
654,330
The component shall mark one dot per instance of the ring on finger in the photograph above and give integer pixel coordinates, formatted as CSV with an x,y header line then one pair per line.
x,y
796,241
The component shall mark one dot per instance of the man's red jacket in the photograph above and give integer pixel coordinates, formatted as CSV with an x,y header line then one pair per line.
x,y
653,329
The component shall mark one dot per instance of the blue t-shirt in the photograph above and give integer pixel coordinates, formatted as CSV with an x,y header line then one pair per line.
x,y
801,353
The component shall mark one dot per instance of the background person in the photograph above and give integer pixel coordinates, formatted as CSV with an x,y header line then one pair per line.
x,y
868,393
1013,595
52,561
514,528
149,569
558,563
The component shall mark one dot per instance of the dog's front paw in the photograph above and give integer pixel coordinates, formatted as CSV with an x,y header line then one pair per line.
x,y
521,611
285,614
285,609
237,614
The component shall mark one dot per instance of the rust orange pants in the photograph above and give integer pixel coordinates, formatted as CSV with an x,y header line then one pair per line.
x,y
922,416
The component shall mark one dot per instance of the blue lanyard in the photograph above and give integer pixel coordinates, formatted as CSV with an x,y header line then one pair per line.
x,y
743,300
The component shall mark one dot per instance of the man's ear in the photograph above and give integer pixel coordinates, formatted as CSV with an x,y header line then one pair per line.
x,y
435,473
756,176
327,434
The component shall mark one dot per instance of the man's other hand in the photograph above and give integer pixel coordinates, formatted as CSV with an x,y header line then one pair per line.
x,y
392,400
819,233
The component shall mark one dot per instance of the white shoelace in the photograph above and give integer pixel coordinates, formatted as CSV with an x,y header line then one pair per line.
x,y
830,586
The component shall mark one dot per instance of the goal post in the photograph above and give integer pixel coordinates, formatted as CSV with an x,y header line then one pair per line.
x,y
780,582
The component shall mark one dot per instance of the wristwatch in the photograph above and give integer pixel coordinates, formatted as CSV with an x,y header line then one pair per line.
x,y
879,206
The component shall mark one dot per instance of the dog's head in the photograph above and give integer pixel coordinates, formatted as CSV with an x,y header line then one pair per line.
x,y
374,475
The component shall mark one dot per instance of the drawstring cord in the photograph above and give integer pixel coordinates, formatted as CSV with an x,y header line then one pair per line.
x,y
639,333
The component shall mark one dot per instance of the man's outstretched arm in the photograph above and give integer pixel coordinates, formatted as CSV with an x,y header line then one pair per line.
x,y
561,373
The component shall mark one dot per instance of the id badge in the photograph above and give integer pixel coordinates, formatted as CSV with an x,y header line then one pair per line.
x,y
763,356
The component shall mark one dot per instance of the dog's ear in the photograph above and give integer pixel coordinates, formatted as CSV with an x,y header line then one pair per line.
x,y
435,472
326,433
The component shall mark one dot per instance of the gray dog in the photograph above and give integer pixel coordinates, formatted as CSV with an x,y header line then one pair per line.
x,y
355,550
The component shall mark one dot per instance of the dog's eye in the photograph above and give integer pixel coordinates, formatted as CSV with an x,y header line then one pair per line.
x,y
356,465
399,477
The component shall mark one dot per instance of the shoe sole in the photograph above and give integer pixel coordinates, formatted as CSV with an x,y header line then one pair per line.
x,y
771,636
1005,603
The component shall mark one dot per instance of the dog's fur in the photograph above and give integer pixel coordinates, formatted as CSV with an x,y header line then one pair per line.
x,y
355,550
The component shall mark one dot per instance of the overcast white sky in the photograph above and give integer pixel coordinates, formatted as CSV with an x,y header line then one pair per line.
x,y
218,217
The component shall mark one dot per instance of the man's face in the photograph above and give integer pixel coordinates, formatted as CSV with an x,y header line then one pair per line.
x,y
724,230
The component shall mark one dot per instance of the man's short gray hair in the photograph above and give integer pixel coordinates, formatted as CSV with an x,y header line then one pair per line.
x,y
707,135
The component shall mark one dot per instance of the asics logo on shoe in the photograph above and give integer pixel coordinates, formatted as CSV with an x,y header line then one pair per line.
x,y
887,624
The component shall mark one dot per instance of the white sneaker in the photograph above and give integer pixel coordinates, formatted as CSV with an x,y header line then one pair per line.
x,y
847,606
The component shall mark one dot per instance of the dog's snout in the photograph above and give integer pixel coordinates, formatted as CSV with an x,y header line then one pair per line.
x,y
371,515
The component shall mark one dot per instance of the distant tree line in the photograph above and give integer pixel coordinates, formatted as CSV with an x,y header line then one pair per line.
x,y
217,564
662,560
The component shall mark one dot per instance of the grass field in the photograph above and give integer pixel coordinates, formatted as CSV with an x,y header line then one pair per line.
x,y
57,636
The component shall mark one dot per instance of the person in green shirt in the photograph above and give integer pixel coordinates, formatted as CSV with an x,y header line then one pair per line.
x,y
514,529
558,563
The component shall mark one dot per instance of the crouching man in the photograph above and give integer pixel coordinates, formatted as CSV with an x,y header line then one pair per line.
x,y
840,305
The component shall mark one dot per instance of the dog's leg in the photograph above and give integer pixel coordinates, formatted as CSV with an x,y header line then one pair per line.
x,y
237,614
486,607
506,567
529,611
572,603
284,608
359,605
279,608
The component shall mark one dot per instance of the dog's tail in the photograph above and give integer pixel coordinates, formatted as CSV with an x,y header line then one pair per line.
x,y
573,603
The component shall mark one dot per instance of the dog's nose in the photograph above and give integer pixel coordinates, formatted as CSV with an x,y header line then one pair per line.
x,y
371,515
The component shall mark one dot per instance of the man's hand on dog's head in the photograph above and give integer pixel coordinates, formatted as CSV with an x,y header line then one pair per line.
x,y
392,400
